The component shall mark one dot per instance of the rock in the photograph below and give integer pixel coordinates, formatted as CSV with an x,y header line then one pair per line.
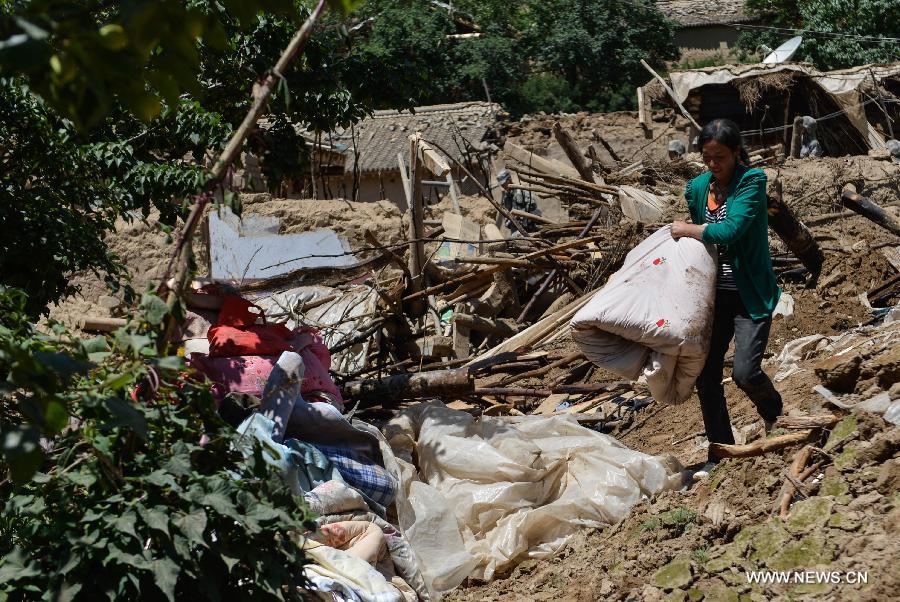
x,y
809,514
888,477
841,430
892,521
840,373
882,446
807,552
834,486
865,501
886,367
846,521
651,594
768,540
894,391
721,593
674,575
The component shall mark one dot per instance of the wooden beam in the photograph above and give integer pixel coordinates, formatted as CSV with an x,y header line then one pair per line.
x,y
573,153
793,232
758,448
412,386
416,227
433,161
546,166
866,208
671,93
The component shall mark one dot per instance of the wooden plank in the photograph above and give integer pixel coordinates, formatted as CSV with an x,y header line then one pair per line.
x,y
454,194
542,164
433,161
416,227
550,404
404,176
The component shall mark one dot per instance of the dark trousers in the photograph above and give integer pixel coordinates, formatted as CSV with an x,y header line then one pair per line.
x,y
750,336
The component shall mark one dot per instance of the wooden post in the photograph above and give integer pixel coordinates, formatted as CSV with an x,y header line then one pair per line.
x,y
412,386
571,149
671,94
404,177
416,227
865,207
454,195
797,137
887,117
794,233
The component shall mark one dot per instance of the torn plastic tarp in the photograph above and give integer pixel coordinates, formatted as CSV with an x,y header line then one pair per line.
x,y
337,320
489,493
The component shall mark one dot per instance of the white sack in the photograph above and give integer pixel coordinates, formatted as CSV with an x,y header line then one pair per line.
x,y
654,316
491,492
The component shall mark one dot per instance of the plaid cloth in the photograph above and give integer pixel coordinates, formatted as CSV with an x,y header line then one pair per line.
x,y
362,473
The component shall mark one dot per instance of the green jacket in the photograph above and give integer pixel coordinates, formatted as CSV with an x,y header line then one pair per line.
x,y
745,233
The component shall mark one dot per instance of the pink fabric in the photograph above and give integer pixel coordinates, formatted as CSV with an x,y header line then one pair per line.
x,y
243,374
317,360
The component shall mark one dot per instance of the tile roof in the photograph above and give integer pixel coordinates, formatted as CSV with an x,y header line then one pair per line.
x,y
691,13
380,137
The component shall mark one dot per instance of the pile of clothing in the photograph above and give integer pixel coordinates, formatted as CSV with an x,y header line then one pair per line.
x,y
272,384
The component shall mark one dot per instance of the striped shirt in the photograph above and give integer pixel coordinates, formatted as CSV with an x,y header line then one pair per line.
x,y
724,275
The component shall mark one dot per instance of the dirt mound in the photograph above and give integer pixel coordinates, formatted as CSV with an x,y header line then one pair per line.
x,y
704,542
621,130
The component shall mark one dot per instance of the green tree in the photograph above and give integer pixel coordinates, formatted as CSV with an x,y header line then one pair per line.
x,y
100,103
836,33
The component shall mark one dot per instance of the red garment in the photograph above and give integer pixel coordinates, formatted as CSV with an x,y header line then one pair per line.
x,y
237,333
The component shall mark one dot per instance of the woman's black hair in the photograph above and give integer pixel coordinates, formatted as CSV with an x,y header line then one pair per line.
x,y
727,132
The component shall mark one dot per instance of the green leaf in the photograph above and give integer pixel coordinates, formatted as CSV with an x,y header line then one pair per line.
x,y
172,363
229,561
125,415
192,526
15,567
161,478
22,450
165,573
125,523
344,7
156,518
153,308
83,478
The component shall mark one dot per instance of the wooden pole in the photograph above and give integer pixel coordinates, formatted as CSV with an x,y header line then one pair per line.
x,y
393,388
416,227
865,207
797,137
758,448
794,233
671,94
571,149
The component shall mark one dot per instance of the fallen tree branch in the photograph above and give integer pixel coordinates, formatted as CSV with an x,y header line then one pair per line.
x,y
758,448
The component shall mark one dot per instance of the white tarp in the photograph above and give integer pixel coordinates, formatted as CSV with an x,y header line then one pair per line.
x,y
341,318
486,493
251,248
654,316
844,85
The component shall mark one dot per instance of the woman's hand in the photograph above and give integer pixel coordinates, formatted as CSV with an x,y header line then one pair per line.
x,y
682,229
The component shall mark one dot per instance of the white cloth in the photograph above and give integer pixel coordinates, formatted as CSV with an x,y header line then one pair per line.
x,y
654,316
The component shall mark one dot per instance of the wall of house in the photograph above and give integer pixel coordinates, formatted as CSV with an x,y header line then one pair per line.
x,y
706,36
374,186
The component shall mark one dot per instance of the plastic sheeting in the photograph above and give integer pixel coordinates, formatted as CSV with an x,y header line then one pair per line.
x,y
337,320
488,493
654,316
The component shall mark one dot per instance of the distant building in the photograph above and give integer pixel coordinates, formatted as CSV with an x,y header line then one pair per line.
x,y
368,153
706,25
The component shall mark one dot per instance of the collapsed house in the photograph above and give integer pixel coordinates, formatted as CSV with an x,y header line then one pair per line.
x,y
854,108
364,162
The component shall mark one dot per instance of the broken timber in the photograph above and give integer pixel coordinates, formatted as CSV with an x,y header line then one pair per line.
x,y
449,383
794,233
571,149
865,207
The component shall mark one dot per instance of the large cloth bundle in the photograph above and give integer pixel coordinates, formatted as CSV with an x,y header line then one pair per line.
x,y
654,316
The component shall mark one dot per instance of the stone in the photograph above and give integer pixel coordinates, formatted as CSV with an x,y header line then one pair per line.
x,y
809,514
674,575
694,594
846,521
805,553
679,595
840,373
720,593
834,486
768,540
841,430
865,501
888,477
892,521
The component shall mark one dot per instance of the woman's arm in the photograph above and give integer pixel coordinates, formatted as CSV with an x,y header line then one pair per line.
x,y
682,229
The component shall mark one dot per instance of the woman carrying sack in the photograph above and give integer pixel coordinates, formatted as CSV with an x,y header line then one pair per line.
x,y
728,208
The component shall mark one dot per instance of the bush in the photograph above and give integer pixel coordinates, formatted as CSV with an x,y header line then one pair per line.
x,y
120,499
